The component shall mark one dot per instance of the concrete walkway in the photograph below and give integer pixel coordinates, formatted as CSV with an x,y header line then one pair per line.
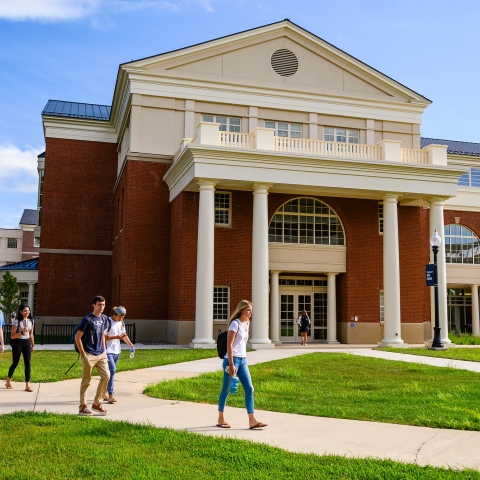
x,y
296,433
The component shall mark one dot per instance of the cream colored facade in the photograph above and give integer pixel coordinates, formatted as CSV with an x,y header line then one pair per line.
x,y
157,116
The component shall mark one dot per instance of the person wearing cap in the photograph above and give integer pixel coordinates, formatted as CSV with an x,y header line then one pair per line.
x,y
113,334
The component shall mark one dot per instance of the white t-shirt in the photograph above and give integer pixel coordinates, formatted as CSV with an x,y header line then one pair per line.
x,y
241,338
28,325
116,328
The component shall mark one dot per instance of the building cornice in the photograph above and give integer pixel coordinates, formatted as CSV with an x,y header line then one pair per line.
x,y
78,129
373,178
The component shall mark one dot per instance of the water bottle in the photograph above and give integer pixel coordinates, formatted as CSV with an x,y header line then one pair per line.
x,y
234,385
132,351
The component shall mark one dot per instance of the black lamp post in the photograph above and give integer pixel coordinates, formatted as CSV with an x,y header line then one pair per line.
x,y
435,242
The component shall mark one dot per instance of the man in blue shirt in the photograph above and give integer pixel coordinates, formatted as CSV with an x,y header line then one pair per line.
x,y
2,323
90,340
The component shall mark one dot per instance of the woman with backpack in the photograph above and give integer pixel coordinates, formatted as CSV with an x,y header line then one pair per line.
x,y
304,322
235,363
114,333
23,343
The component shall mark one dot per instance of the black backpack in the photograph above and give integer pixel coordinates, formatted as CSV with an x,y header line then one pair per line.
x,y
222,343
305,321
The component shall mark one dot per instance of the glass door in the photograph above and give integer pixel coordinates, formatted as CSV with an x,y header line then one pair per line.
x,y
291,306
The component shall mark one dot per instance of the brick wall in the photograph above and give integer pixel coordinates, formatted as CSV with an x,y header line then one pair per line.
x,y
141,236
28,250
77,215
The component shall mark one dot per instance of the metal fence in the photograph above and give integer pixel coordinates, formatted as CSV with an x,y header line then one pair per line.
x,y
64,333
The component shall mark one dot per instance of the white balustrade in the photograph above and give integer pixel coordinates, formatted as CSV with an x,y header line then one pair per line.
x,y
411,155
237,140
330,149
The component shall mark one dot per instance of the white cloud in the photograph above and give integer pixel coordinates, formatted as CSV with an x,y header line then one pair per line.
x,y
47,10
64,10
18,168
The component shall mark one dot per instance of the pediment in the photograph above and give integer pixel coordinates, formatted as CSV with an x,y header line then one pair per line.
x,y
245,59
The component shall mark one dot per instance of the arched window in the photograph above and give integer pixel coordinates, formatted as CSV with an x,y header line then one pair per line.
x,y
306,220
461,245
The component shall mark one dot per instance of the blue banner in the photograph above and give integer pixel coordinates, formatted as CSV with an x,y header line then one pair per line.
x,y
430,275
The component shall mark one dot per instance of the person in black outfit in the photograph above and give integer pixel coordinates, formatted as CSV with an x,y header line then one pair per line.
x,y
23,343
304,322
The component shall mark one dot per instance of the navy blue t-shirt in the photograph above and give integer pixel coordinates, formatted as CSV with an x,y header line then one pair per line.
x,y
92,339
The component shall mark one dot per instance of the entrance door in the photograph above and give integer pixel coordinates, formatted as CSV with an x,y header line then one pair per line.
x,y
291,306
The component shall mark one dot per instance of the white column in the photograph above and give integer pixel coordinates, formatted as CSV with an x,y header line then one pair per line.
x,y
260,318
436,223
205,264
391,274
331,309
475,313
274,308
31,296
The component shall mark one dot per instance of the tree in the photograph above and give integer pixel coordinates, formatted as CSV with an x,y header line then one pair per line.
x,y
9,295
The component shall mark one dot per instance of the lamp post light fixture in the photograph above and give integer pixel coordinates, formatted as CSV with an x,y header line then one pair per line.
x,y
435,242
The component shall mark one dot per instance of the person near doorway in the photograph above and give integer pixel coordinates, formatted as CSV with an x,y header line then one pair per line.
x,y
115,332
304,322
235,363
90,340
23,343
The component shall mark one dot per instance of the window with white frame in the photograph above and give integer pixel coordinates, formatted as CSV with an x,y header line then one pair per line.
x,y
470,178
12,243
36,242
380,218
227,124
221,303
342,135
461,245
306,220
223,208
382,308
292,130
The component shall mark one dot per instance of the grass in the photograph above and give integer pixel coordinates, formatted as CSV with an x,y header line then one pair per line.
x,y
467,354
50,446
348,386
50,365
463,339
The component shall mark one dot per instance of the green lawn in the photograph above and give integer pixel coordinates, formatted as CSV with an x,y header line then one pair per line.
x,y
468,354
464,339
348,386
49,446
50,365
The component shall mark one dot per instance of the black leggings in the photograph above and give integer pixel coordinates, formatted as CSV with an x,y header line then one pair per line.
x,y
21,346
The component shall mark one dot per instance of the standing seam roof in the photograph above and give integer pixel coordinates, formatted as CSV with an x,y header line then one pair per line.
x,y
60,108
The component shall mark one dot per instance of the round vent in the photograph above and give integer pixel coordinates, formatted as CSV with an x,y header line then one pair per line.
x,y
284,62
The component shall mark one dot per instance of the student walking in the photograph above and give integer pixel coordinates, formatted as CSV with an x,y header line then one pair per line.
x,y
304,322
90,340
2,323
115,332
23,343
236,361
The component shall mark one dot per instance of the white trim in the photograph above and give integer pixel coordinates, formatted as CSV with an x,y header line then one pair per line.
x,y
79,129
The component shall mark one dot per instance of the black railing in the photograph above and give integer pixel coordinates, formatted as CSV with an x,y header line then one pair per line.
x,y
7,330
64,333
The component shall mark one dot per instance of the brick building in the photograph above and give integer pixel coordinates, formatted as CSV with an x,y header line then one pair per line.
x,y
266,165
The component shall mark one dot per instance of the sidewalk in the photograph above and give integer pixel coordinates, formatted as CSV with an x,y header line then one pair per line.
x,y
296,433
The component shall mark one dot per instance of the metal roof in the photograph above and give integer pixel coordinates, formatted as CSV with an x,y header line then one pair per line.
x,y
454,146
29,217
31,264
59,108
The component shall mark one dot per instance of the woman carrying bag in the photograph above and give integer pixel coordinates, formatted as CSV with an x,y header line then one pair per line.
x,y
23,343
235,363
304,322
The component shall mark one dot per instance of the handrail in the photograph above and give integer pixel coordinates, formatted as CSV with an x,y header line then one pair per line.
x,y
234,139
411,155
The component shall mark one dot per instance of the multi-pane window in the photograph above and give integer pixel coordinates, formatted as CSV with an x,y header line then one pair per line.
x,y
380,217
306,220
12,243
382,308
227,124
301,282
221,299
36,242
470,178
461,245
223,202
342,135
292,130
41,178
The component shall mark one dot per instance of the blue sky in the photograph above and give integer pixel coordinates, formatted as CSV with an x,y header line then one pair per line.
x,y
71,49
